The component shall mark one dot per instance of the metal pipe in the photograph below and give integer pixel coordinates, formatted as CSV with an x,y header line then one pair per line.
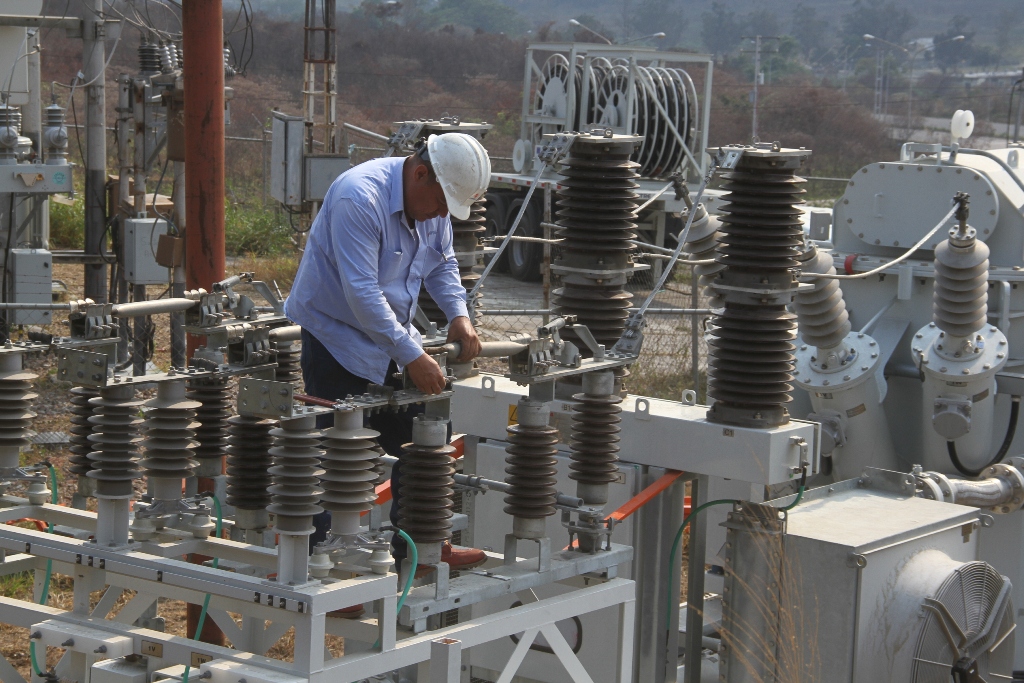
x,y
488,349
140,309
27,21
286,333
544,311
203,32
367,133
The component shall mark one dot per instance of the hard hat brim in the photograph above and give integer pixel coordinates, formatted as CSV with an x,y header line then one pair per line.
x,y
457,210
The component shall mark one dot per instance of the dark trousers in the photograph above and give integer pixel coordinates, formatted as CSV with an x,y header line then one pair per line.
x,y
325,377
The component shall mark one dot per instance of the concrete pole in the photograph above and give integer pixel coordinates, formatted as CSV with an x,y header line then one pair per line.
x,y
202,28
203,33
93,56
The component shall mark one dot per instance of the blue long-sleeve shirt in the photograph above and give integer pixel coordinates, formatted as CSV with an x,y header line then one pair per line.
x,y
360,276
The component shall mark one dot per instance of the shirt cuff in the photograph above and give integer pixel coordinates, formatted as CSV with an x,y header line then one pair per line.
x,y
456,308
407,351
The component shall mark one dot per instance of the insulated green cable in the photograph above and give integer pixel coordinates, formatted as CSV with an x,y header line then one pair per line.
x,y
408,580
693,513
206,600
45,595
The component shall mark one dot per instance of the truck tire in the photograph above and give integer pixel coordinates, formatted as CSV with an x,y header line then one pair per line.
x,y
524,258
497,209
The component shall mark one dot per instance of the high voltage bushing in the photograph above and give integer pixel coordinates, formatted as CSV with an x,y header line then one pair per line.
x,y
701,243
149,58
16,397
532,471
10,132
349,476
212,416
295,493
595,448
81,428
248,470
425,506
824,322
167,443
114,459
596,221
468,250
289,356
751,359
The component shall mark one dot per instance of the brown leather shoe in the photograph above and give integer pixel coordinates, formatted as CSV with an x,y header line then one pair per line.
x,y
353,612
456,558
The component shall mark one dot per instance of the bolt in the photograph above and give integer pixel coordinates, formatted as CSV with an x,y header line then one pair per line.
x,y
70,642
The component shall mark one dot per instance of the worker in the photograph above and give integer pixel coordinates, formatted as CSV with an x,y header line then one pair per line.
x,y
383,229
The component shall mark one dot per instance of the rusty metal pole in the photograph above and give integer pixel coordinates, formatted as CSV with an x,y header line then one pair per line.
x,y
203,42
203,49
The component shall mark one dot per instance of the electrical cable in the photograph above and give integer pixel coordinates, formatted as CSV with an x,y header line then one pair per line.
x,y
408,580
693,513
680,241
890,264
206,601
1011,430
45,594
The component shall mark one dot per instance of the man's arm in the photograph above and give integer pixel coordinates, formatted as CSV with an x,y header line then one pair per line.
x,y
356,241
445,287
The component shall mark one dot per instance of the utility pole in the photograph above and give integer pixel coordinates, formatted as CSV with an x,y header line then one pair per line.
x,y
93,56
203,33
757,74
879,79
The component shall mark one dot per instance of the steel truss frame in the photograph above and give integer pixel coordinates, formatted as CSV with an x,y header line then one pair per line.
x,y
152,569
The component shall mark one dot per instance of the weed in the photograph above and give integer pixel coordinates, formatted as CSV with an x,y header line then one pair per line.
x,y
252,229
67,224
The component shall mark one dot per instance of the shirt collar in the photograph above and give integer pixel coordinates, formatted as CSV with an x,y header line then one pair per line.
x,y
397,200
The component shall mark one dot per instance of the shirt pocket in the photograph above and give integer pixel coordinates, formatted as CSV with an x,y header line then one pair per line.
x,y
389,266
430,259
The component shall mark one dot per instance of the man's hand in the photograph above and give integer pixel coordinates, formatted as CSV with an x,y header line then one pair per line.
x,y
461,330
426,375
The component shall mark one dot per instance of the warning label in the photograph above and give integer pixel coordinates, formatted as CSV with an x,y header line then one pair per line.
x,y
513,415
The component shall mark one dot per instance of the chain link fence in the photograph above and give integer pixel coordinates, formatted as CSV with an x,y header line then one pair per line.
x,y
673,338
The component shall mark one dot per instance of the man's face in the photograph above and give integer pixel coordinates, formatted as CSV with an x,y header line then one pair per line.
x,y
424,198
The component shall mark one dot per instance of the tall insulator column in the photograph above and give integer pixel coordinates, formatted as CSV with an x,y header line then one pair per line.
x,y
751,359
425,506
212,416
16,397
295,493
702,244
468,253
532,470
81,428
248,470
349,476
114,460
596,221
959,354
167,443
838,369
595,447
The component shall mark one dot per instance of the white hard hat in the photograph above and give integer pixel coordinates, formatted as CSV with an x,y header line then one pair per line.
x,y
463,169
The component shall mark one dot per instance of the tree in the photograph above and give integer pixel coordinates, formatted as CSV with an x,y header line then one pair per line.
x,y
722,29
762,22
810,30
878,18
653,16
490,16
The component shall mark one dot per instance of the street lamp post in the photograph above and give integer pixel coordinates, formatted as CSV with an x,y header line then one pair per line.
x,y
912,54
573,22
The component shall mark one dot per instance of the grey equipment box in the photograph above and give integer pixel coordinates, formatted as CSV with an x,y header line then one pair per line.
x,y
286,159
321,172
141,237
31,283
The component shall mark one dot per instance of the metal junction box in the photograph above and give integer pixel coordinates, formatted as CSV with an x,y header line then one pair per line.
x,y
141,238
31,283
836,589
286,159
321,171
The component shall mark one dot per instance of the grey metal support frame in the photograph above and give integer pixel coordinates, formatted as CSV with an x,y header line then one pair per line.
x,y
695,581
